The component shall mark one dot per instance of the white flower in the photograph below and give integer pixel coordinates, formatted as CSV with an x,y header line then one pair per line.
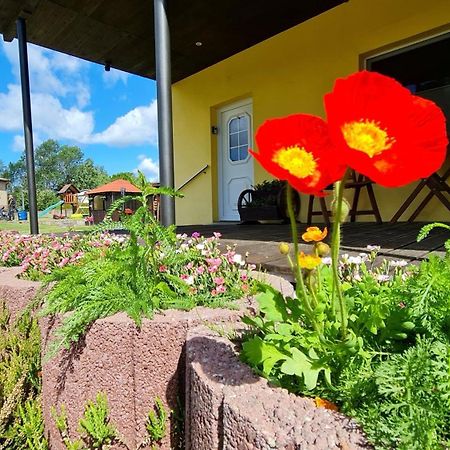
x,y
373,248
399,263
364,256
189,280
326,260
382,277
237,259
355,260
200,246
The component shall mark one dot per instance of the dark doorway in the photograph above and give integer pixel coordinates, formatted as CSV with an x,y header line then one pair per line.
x,y
422,67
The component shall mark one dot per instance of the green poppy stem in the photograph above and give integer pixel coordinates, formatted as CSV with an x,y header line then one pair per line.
x,y
335,245
300,288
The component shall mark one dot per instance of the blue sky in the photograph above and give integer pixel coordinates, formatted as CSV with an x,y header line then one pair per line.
x,y
111,116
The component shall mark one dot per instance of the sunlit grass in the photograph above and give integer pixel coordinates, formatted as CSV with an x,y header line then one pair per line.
x,y
45,226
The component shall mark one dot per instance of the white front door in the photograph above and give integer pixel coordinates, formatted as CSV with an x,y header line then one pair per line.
x,y
235,162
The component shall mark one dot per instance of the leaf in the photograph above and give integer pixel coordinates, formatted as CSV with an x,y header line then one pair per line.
x,y
302,366
257,353
285,329
272,304
425,231
256,322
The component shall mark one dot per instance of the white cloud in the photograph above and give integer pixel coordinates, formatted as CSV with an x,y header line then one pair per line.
x,y
83,95
49,116
137,127
50,72
60,95
67,63
148,167
112,77
18,143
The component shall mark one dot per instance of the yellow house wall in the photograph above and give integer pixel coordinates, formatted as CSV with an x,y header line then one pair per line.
x,y
286,74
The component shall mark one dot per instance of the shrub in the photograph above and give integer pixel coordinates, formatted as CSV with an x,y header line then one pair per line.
x,y
152,270
21,423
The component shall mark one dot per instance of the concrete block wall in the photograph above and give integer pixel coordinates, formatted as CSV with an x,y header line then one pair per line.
x,y
174,356
230,408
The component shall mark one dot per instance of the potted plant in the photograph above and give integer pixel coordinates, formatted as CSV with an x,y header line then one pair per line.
x,y
266,202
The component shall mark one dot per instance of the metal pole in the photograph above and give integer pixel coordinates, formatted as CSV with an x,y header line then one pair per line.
x,y
27,125
164,96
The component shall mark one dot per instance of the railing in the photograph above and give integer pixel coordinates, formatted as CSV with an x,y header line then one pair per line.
x,y
196,174
70,198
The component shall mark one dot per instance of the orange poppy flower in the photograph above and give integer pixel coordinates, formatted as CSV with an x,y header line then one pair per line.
x,y
298,149
384,131
314,234
308,262
322,403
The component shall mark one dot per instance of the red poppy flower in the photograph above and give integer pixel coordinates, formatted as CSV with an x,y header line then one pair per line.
x,y
384,131
298,149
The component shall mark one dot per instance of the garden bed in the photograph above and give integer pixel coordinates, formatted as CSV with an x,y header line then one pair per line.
x,y
17,293
228,406
132,366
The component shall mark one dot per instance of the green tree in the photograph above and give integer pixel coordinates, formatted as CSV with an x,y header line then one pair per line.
x,y
88,176
56,164
45,198
3,169
16,172
129,176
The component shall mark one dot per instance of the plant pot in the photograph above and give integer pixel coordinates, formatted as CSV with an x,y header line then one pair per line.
x,y
251,206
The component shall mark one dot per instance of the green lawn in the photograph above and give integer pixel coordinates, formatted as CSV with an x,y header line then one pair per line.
x,y
45,226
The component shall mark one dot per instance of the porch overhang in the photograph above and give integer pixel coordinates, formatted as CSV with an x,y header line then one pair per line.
x,y
120,34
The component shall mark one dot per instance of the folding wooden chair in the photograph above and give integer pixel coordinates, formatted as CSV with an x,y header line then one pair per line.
x,y
438,187
356,182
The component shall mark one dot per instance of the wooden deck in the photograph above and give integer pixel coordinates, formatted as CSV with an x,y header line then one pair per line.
x,y
397,241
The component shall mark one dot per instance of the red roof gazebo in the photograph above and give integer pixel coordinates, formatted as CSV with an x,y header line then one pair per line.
x,y
102,197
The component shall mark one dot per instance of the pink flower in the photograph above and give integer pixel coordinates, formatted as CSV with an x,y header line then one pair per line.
x,y
162,268
200,270
214,292
63,262
214,261
219,280
195,235
217,235
212,269
221,289
244,277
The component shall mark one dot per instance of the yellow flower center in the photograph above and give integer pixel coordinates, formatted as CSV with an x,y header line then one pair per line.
x,y
297,161
308,262
367,136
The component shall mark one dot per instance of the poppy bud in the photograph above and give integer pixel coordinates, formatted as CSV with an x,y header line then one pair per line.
x,y
345,210
322,249
284,248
